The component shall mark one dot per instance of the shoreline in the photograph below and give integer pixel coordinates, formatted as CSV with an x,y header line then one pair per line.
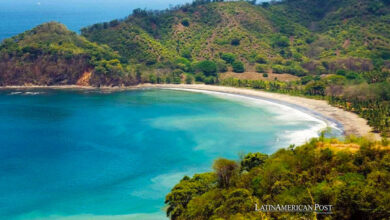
x,y
285,112
351,123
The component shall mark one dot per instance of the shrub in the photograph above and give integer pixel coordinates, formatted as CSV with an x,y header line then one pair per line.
x,y
177,72
341,72
278,69
253,160
150,60
199,77
261,68
260,58
176,80
176,76
385,54
296,70
281,41
278,60
320,69
306,79
238,67
335,80
225,171
159,80
210,80
221,66
186,53
189,79
352,75
297,56
209,68
183,64
235,42
315,88
185,22
152,78
265,75
228,57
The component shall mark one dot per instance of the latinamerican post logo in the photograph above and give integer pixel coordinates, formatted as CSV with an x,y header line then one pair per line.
x,y
317,208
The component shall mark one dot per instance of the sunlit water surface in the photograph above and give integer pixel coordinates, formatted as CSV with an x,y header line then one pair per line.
x,y
90,154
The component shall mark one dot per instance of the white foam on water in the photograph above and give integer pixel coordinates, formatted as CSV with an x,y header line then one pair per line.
x,y
15,93
285,113
26,93
33,93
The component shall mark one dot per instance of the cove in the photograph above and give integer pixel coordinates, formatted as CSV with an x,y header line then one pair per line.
x,y
95,154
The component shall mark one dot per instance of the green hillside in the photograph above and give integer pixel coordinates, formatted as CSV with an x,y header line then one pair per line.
x,y
50,54
201,31
355,28
321,36
299,37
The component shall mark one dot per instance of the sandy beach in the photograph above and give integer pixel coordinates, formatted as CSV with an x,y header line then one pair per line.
x,y
351,122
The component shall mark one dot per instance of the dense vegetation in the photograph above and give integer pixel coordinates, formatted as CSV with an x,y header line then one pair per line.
x,y
299,37
50,54
355,183
356,92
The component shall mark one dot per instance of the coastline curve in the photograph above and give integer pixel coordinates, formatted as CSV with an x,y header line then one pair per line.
x,y
351,123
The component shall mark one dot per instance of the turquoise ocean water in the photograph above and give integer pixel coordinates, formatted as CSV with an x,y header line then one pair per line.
x,y
90,154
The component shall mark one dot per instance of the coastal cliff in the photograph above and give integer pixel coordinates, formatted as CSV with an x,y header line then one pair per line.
x,y
50,54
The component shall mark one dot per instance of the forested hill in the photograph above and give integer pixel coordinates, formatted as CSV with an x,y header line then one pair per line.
x,y
50,54
355,28
320,36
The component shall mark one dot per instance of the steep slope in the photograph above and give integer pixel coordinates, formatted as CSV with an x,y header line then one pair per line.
x,y
133,43
204,32
50,54
322,36
299,37
347,28
192,31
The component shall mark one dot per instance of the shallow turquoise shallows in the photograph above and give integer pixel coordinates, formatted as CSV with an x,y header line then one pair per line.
x,y
93,154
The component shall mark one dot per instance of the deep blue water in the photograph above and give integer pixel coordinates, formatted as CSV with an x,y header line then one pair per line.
x,y
89,153
17,16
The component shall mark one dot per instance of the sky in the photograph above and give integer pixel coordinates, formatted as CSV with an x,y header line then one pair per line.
x,y
17,16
